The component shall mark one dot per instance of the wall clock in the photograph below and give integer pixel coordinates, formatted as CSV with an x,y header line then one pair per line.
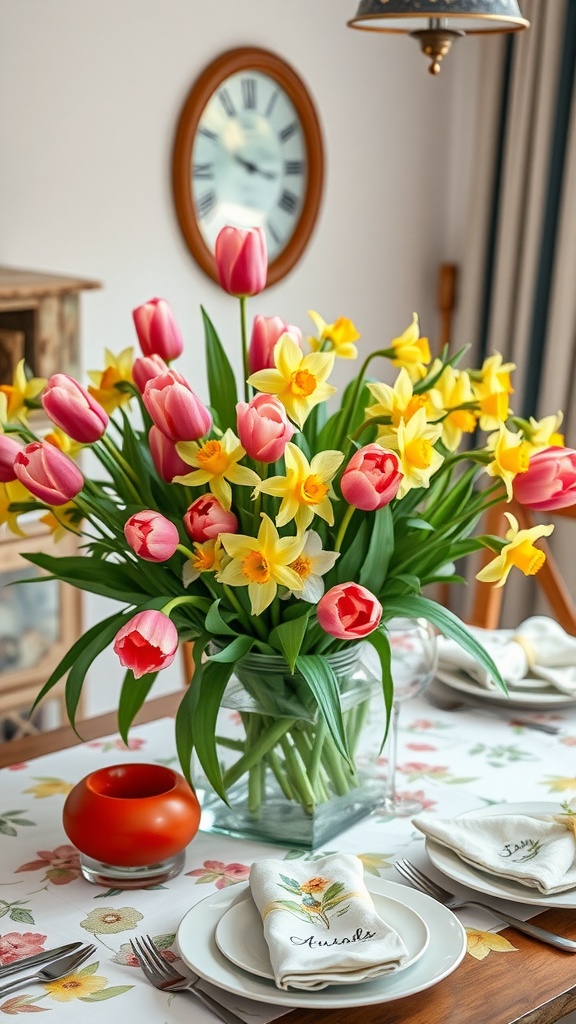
x,y
248,151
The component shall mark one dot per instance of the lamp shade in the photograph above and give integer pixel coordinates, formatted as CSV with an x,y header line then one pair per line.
x,y
468,16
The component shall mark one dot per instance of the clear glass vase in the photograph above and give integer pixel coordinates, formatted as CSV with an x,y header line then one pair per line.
x,y
287,782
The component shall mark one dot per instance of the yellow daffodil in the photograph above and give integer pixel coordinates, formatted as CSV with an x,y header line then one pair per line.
x,y
414,442
61,440
451,392
411,351
298,381
544,433
117,369
12,492
305,489
261,563
208,557
511,456
60,520
18,393
495,372
311,565
338,337
216,464
398,402
78,985
3,410
519,552
492,388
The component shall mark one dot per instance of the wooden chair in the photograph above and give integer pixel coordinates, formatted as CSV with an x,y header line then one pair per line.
x,y
487,601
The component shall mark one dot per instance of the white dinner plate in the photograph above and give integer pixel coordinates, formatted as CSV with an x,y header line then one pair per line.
x,y
240,936
197,943
541,698
450,864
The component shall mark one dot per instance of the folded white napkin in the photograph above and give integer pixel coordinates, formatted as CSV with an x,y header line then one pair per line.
x,y
539,647
539,852
320,923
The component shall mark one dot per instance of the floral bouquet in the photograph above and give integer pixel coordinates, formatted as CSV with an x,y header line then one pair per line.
x,y
273,523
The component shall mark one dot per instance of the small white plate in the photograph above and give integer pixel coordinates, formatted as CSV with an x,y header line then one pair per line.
x,y
450,864
240,936
539,699
197,944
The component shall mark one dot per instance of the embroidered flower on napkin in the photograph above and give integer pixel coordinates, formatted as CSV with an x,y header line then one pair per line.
x,y
322,929
538,851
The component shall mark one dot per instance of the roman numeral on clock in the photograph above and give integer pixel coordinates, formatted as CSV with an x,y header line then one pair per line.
x,y
208,133
288,201
203,171
224,97
294,167
249,93
288,131
206,204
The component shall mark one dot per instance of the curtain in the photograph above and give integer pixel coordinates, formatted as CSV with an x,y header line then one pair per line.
x,y
518,281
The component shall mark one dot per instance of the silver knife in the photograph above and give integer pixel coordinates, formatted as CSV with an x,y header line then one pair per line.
x,y
38,958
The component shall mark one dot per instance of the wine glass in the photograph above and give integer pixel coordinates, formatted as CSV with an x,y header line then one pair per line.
x,y
414,656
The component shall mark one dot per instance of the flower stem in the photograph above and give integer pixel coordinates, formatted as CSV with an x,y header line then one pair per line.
x,y
244,347
249,624
344,526
266,742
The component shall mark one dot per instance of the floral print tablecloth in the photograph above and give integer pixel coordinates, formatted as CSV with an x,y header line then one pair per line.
x,y
453,761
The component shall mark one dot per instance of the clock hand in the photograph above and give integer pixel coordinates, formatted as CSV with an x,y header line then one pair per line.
x,y
252,168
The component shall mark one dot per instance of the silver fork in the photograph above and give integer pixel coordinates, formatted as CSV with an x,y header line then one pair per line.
x,y
421,881
165,977
52,972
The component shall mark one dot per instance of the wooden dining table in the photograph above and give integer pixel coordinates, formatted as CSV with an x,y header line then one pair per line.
x,y
535,985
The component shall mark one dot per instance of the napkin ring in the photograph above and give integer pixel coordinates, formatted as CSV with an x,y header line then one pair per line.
x,y
528,648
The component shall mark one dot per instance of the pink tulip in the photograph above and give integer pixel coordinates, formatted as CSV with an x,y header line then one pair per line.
x,y
9,448
549,482
73,409
349,611
206,519
157,330
242,260
167,462
48,473
147,643
175,409
153,537
263,427
266,330
145,368
371,478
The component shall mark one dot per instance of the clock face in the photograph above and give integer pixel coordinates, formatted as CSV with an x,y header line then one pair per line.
x,y
248,152
249,160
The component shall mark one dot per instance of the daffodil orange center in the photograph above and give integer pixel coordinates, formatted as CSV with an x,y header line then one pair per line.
x,y
527,558
463,419
515,460
303,383
213,458
406,413
419,453
204,558
312,491
255,567
496,405
303,566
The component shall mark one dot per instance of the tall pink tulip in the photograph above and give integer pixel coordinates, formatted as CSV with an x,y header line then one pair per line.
x,y
147,643
145,368
242,260
266,330
157,330
549,482
72,408
9,448
206,519
371,478
151,536
167,462
48,473
349,611
175,408
263,427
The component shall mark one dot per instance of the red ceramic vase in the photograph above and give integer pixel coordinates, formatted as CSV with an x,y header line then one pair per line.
x,y
131,824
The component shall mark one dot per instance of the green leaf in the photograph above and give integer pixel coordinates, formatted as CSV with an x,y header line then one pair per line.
x,y
449,625
132,696
184,725
381,645
323,683
106,993
348,565
234,651
215,623
289,636
210,684
221,380
375,567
